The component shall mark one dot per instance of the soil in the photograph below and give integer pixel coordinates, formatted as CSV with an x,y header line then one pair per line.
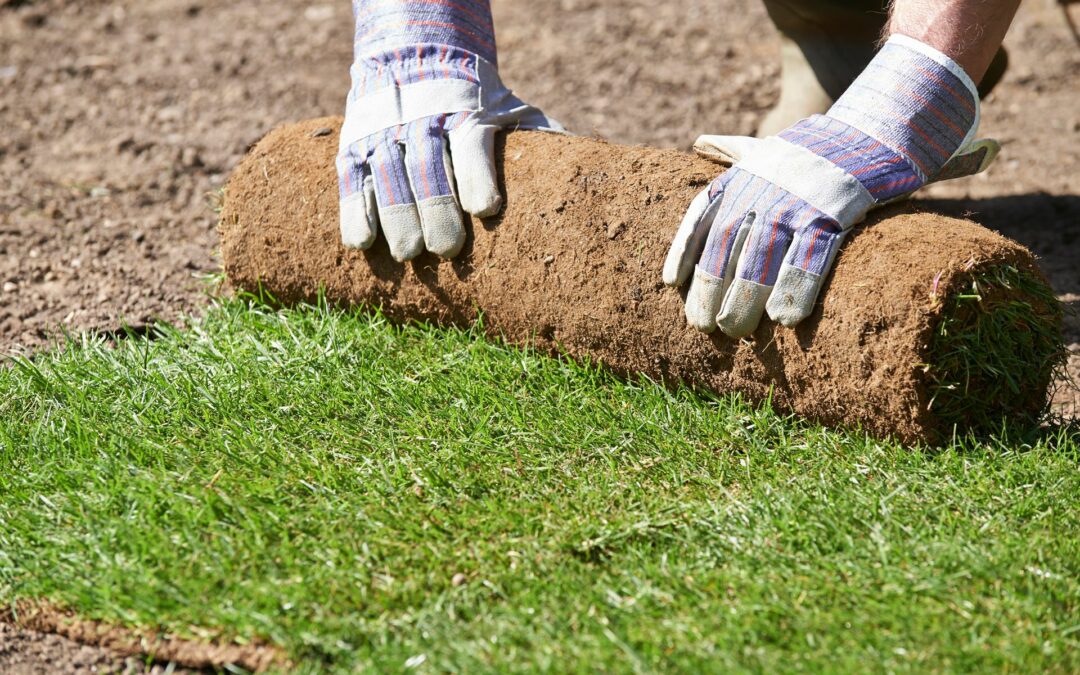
x,y
40,638
121,119
29,652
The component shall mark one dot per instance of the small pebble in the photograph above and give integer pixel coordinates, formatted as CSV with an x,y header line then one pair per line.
x,y
548,259
322,131
10,286
189,157
458,579
319,13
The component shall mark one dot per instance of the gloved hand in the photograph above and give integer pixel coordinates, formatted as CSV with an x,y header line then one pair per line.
x,y
425,103
764,234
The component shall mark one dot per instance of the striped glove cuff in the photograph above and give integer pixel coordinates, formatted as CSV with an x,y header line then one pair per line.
x,y
898,124
383,26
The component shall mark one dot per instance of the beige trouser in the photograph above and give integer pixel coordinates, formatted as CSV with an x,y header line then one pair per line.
x,y
825,44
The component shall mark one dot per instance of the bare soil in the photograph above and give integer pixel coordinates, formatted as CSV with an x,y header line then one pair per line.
x,y
121,119
27,652
40,638
31,652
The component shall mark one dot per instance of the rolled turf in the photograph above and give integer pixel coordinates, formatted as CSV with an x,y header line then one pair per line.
x,y
929,325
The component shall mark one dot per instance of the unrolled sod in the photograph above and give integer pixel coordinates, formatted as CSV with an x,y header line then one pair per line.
x,y
929,325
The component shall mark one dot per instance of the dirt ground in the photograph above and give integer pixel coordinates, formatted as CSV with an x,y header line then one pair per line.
x,y
121,119
27,652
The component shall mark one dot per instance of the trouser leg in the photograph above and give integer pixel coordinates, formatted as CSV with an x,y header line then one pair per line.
x,y
825,44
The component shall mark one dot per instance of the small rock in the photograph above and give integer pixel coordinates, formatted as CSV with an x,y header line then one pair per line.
x,y
10,286
172,113
94,63
322,131
8,72
35,19
458,579
100,192
319,13
52,211
548,259
190,158
615,229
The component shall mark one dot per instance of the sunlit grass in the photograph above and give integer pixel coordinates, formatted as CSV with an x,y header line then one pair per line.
x,y
320,478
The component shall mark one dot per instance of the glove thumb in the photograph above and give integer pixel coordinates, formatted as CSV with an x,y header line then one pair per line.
x,y
725,150
973,158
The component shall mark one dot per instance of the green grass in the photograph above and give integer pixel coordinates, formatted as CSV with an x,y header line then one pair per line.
x,y
995,348
318,478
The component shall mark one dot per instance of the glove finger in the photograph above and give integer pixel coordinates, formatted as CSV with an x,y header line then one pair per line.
x,y
472,158
808,261
426,160
396,206
743,194
758,267
358,219
726,236
725,150
690,237
707,291
371,202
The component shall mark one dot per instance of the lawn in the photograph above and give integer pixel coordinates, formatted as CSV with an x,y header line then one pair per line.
x,y
372,496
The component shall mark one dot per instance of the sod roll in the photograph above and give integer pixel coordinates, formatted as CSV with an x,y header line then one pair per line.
x,y
928,325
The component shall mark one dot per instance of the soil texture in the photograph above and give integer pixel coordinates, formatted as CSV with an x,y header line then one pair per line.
x,y
29,652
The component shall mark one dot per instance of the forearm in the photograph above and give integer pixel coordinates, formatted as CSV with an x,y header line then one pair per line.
x,y
967,31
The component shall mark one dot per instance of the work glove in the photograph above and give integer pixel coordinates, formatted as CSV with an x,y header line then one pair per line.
x,y
762,237
420,123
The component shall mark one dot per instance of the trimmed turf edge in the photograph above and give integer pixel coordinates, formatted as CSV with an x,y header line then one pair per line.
x,y
48,618
996,349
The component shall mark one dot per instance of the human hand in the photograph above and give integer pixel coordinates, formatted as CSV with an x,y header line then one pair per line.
x,y
418,142
763,236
